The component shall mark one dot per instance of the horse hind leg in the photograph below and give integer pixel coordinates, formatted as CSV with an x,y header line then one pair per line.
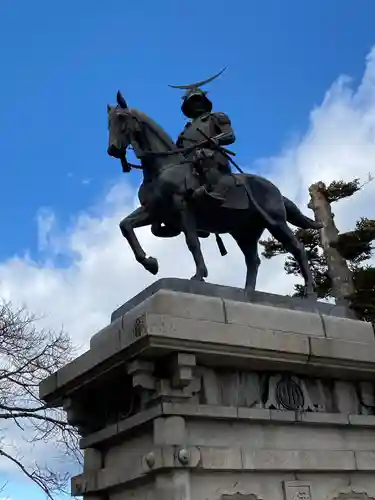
x,y
286,237
189,228
248,244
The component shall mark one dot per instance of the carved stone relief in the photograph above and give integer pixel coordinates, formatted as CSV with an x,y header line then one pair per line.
x,y
285,392
178,378
297,490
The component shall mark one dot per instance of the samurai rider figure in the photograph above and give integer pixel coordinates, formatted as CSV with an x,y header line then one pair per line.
x,y
211,165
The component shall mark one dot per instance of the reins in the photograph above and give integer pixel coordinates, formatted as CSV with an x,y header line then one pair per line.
x,y
188,149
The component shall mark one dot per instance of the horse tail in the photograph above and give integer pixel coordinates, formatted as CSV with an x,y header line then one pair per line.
x,y
296,217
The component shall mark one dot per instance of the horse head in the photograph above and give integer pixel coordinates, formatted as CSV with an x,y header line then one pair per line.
x,y
120,126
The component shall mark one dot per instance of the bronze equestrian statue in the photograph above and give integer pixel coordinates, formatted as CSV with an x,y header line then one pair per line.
x,y
188,187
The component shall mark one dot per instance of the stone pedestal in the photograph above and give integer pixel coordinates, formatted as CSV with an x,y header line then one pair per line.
x,y
198,392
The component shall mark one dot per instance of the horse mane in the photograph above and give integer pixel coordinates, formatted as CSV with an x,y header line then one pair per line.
x,y
155,127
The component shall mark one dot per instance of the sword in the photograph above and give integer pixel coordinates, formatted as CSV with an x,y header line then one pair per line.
x,y
225,152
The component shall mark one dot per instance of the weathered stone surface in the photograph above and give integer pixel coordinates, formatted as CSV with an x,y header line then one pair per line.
x,y
241,486
363,420
122,428
214,413
169,302
283,415
320,394
324,418
274,318
298,460
93,459
221,458
255,414
48,386
182,368
348,329
169,430
195,410
341,349
240,389
229,293
345,396
365,460
211,394
142,374
173,486
136,492
87,361
129,451
269,485
110,333
208,332
239,496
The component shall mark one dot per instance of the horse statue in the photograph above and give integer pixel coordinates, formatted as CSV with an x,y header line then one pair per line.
x,y
252,205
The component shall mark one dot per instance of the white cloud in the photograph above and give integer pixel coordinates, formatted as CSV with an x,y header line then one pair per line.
x,y
340,143
102,274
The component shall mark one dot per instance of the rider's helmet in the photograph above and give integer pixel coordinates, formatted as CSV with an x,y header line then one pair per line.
x,y
195,95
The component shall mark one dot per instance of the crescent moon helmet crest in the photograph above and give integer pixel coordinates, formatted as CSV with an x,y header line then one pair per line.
x,y
193,91
193,86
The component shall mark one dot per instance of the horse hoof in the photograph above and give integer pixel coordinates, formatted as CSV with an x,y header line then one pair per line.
x,y
197,278
309,293
151,265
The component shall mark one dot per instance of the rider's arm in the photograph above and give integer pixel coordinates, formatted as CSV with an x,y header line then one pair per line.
x,y
225,134
180,137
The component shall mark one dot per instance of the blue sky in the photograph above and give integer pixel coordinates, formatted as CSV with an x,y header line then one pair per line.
x,y
61,62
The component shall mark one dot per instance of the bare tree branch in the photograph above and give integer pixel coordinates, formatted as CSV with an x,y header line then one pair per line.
x,y
27,356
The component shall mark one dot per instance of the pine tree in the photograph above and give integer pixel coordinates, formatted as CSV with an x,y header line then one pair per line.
x,y
339,261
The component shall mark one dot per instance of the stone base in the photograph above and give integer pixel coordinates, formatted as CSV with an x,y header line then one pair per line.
x,y
189,452
215,395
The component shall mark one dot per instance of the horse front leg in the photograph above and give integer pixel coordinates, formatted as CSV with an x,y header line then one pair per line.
x,y
139,218
189,228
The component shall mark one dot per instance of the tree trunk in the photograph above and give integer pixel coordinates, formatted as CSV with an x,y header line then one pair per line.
x,y
342,281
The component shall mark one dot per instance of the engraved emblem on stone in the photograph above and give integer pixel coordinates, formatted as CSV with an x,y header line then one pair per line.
x,y
297,490
289,395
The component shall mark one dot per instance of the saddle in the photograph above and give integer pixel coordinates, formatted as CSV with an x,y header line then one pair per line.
x,y
235,196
